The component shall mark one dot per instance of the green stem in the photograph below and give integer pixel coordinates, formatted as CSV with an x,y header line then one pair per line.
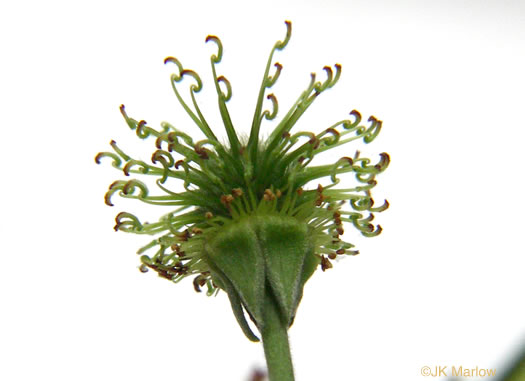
x,y
275,341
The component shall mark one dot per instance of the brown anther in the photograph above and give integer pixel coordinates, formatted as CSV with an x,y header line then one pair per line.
x,y
300,191
196,230
301,159
338,221
175,247
258,375
208,215
226,200
337,214
332,256
319,200
278,193
286,135
341,251
325,263
336,241
237,192
340,230
178,163
319,188
268,195
184,235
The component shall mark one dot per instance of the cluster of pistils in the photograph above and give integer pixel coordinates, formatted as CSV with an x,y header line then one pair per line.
x,y
224,182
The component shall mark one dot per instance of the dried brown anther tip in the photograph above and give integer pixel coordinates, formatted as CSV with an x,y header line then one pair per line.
x,y
237,192
300,191
208,215
325,263
196,230
184,235
226,200
332,256
340,251
268,195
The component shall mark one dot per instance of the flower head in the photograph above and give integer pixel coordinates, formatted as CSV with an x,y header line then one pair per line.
x,y
249,195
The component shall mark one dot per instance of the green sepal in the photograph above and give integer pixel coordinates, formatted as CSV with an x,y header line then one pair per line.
x,y
260,254
235,302
236,253
286,245
311,262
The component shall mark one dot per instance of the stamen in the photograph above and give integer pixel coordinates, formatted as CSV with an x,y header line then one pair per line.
x,y
268,195
325,263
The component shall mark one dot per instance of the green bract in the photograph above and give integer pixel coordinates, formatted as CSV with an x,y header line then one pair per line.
x,y
246,222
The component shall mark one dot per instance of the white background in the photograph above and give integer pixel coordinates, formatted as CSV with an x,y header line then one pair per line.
x,y
442,286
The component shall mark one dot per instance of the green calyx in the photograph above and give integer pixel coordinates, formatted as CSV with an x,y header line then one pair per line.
x,y
259,251
253,219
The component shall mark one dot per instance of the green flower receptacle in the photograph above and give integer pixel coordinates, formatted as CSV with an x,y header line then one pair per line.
x,y
260,258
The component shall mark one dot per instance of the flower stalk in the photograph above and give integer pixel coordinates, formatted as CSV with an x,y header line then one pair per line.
x,y
249,222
